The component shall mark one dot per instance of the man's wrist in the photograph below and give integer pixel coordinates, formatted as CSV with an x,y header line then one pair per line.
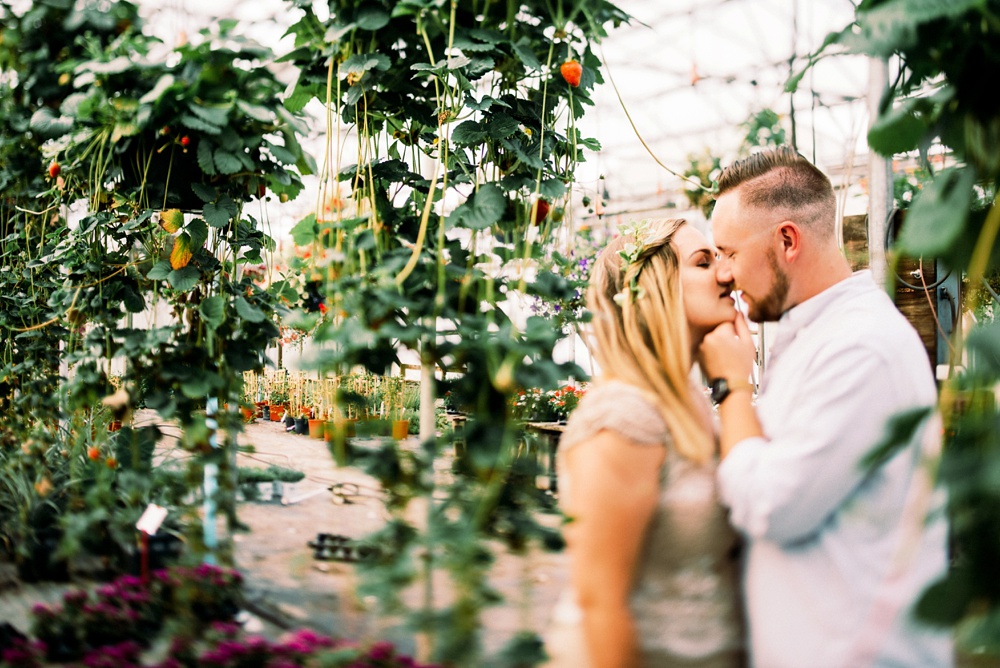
x,y
722,388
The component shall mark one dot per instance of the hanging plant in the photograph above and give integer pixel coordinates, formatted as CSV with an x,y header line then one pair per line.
x,y
463,142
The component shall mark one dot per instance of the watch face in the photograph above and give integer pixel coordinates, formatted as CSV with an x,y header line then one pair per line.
x,y
720,390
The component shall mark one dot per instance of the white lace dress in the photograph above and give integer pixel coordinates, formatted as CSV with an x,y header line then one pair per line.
x,y
685,600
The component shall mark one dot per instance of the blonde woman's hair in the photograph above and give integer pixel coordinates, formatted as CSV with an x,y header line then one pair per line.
x,y
642,337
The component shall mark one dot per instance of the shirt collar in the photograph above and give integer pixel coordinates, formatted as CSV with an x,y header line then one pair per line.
x,y
806,312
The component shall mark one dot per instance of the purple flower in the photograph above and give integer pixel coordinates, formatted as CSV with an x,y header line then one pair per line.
x,y
381,651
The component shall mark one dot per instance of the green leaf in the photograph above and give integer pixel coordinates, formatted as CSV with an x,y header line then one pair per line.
x,y
218,214
897,131
160,271
282,154
947,600
204,193
255,111
483,208
194,123
184,279
213,310
165,82
983,343
215,115
937,218
227,162
552,188
362,62
372,18
468,133
198,231
133,300
501,125
198,385
892,25
205,161
457,62
247,311
46,123
523,50
304,232
898,432
301,96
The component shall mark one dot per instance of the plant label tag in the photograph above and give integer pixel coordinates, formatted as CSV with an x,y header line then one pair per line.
x,y
151,519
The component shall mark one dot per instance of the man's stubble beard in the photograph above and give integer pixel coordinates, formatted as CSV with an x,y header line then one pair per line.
x,y
770,307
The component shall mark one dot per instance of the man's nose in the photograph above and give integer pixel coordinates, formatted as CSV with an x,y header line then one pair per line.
x,y
724,271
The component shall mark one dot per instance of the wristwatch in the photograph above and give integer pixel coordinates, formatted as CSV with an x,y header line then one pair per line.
x,y
722,388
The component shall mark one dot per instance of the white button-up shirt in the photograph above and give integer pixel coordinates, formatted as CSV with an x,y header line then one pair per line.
x,y
837,555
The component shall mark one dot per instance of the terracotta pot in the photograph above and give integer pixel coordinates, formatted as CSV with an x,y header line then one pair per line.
x,y
249,414
316,428
343,425
277,412
400,429
114,425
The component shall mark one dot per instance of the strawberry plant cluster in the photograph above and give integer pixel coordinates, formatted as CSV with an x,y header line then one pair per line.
x,y
941,54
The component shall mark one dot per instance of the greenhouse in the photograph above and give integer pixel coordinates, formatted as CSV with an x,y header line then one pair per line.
x,y
337,334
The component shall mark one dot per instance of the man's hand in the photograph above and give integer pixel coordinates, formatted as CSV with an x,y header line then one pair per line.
x,y
728,351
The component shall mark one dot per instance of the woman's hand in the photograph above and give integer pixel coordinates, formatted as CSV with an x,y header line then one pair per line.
x,y
728,351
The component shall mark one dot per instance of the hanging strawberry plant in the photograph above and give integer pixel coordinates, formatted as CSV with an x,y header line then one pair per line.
x,y
462,142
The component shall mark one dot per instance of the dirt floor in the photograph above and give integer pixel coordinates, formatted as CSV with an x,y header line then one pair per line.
x,y
288,587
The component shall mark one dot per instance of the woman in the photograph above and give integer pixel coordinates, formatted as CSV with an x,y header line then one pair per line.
x,y
653,559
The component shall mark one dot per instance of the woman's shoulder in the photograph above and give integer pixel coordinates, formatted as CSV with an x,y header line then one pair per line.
x,y
620,407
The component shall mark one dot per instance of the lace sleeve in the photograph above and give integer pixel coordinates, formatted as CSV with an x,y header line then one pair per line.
x,y
619,407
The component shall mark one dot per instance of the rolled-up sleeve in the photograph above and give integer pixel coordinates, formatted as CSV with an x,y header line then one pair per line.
x,y
785,486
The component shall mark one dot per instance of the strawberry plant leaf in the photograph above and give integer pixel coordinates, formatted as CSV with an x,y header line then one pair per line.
x,y
937,217
205,161
372,18
501,125
184,279
213,310
218,214
215,115
305,230
204,193
247,311
194,123
468,133
227,162
199,233
160,271
897,131
523,50
481,210
255,111
181,253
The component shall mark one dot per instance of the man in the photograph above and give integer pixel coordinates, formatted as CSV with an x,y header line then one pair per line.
x,y
837,554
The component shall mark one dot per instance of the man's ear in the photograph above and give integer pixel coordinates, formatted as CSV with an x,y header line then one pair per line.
x,y
788,236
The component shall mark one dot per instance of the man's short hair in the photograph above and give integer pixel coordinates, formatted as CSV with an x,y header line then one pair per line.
x,y
778,178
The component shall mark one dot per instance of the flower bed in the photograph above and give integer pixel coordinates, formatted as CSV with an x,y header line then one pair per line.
x,y
115,625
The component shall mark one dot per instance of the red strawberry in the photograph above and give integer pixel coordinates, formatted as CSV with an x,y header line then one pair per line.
x,y
571,72
261,190
539,210
185,141
93,454
54,170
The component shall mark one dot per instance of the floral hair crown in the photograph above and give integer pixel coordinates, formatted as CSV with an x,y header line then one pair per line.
x,y
630,254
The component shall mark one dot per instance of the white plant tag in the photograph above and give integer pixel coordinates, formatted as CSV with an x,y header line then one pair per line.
x,y
151,519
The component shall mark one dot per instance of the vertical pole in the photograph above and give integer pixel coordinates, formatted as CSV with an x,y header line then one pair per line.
x,y
211,485
879,178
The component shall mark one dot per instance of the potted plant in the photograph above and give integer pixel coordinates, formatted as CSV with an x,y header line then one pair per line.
x,y
278,399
